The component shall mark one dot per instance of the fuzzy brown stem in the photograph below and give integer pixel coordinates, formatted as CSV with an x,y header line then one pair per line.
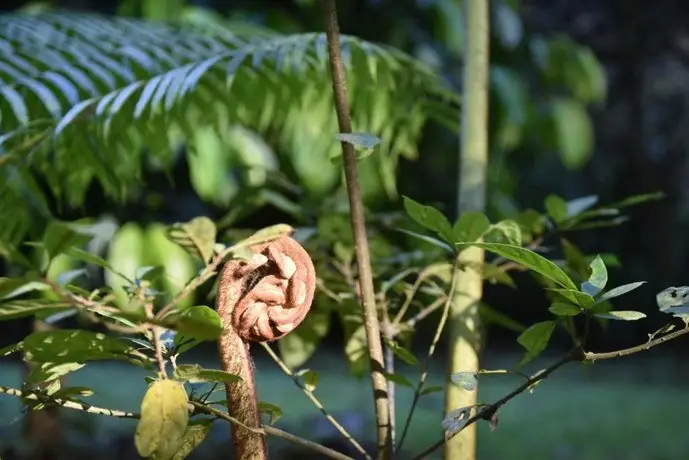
x,y
259,300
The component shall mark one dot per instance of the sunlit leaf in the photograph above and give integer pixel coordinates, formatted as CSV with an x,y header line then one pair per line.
x,y
164,420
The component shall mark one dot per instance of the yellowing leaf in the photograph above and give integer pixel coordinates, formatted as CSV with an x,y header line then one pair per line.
x,y
164,419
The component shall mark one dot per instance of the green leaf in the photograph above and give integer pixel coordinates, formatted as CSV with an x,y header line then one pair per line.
x,y
535,339
398,379
193,373
427,239
274,411
573,132
199,322
359,140
402,353
428,217
556,208
196,433
579,205
46,372
470,226
506,231
164,420
577,297
624,315
466,380
13,309
530,259
197,237
431,389
356,350
59,237
638,199
621,290
265,235
300,344
496,274
73,346
598,278
672,297
564,309
310,378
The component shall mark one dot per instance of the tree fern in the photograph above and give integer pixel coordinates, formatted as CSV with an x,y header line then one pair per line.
x,y
86,97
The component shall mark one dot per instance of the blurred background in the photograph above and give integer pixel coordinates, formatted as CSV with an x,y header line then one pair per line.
x,y
587,98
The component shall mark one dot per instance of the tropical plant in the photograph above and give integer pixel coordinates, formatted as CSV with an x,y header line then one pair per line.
x,y
89,99
83,102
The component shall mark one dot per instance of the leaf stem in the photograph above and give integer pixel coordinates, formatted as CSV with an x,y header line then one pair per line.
x,y
316,402
431,351
196,407
372,327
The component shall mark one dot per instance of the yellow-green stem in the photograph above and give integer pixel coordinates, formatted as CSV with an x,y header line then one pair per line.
x,y
465,338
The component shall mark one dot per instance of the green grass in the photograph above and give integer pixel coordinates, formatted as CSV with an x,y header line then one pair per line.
x,y
633,408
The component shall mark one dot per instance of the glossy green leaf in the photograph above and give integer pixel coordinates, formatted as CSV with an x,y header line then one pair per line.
x,y
621,290
575,296
196,236
624,315
398,379
556,208
199,322
564,309
428,217
60,236
506,231
193,373
466,380
530,259
73,346
272,410
598,278
573,131
470,226
196,433
535,339
13,309
300,344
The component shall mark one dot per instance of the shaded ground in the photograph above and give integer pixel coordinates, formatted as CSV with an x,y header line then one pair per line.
x,y
633,409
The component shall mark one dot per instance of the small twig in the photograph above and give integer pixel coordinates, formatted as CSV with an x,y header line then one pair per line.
x,y
431,350
424,312
488,410
407,301
81,406
576,355
196,407
590,356
267,429
316,402
358,221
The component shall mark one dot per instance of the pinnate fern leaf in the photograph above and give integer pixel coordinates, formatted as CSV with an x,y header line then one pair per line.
x,y
86,97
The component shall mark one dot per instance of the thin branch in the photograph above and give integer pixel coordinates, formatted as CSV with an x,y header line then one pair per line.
x,y
431,350
487,411
196,407
372,327
316,402
74,405
590,356
576,355
424,312
267,429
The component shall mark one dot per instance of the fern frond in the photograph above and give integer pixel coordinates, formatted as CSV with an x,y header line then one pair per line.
x,y
106,96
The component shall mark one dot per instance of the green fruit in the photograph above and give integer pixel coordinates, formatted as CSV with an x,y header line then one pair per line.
x,y
179,267
125,255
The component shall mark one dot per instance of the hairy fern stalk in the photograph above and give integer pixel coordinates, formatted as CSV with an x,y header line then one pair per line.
x,y
88,98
